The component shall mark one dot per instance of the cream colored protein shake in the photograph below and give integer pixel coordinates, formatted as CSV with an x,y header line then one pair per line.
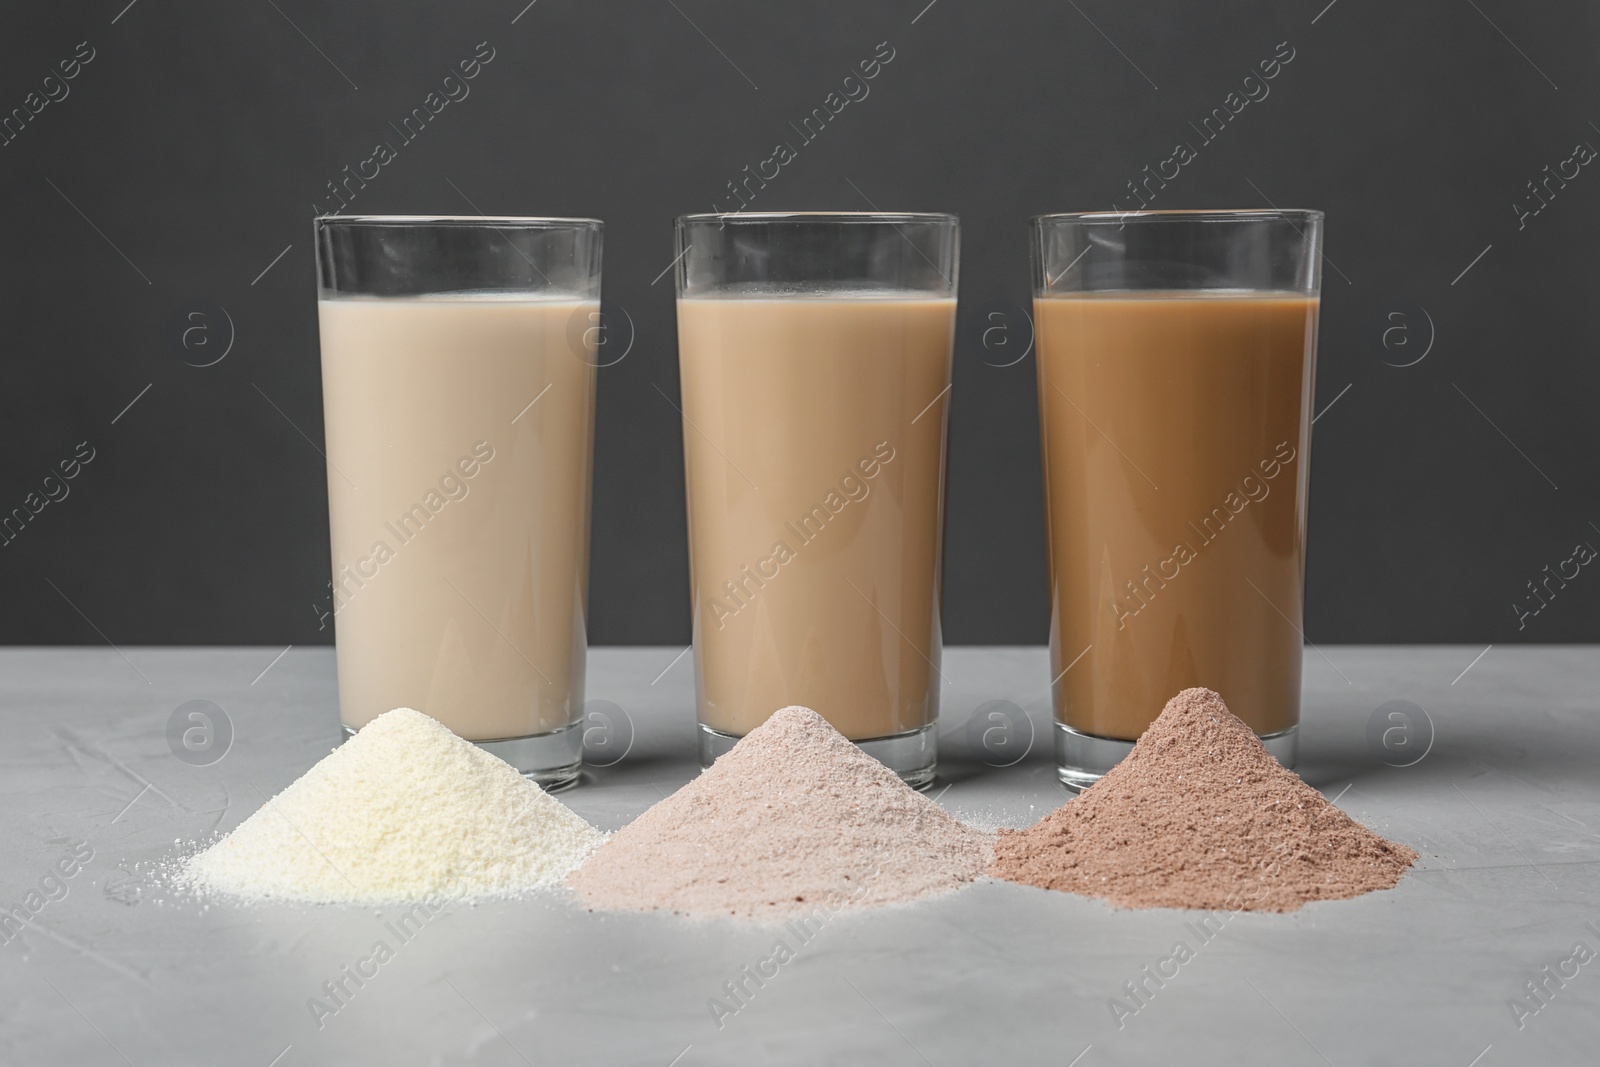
x,y
459,445
814,442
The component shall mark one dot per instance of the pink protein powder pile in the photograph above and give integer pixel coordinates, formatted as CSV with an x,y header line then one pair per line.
x,y
793,817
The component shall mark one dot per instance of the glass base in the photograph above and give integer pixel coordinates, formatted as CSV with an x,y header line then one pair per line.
x,y
1083,759
553,760
914,755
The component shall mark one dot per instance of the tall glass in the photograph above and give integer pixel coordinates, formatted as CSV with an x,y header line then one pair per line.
x,y
1176,363
458,378
815,357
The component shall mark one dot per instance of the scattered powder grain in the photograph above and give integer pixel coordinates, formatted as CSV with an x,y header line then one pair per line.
x,y
792,818
404,810
1200,815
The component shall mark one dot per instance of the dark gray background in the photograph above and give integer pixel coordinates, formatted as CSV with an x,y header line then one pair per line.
x,y
191,150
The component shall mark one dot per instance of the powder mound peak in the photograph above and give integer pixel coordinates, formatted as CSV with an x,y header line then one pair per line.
x,y
404,810
795,818
1200,815
824,752
1197,734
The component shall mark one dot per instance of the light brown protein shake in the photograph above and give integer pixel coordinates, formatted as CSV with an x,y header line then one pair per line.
x,y
1175,468
461,545
814,441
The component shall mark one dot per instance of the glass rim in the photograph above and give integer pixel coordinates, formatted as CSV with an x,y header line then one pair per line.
x,y
531,222
1186,215
724,217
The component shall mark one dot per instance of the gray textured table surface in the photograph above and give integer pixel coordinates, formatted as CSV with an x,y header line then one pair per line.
x,y
1505,808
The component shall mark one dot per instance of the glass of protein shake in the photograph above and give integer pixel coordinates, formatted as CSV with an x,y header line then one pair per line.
x,y
458,377
1176,365
815,357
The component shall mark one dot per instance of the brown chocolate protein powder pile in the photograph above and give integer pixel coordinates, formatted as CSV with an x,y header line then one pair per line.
x,y
1200,815
792,819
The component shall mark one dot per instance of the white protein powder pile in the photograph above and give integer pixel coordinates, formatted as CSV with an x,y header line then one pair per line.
x,y
405,810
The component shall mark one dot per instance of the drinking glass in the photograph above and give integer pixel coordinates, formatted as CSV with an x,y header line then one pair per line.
x,y
458,377
815,352
1177,353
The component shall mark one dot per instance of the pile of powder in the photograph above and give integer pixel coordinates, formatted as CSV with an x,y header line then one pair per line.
x,y
405,810
792,818
1200,815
